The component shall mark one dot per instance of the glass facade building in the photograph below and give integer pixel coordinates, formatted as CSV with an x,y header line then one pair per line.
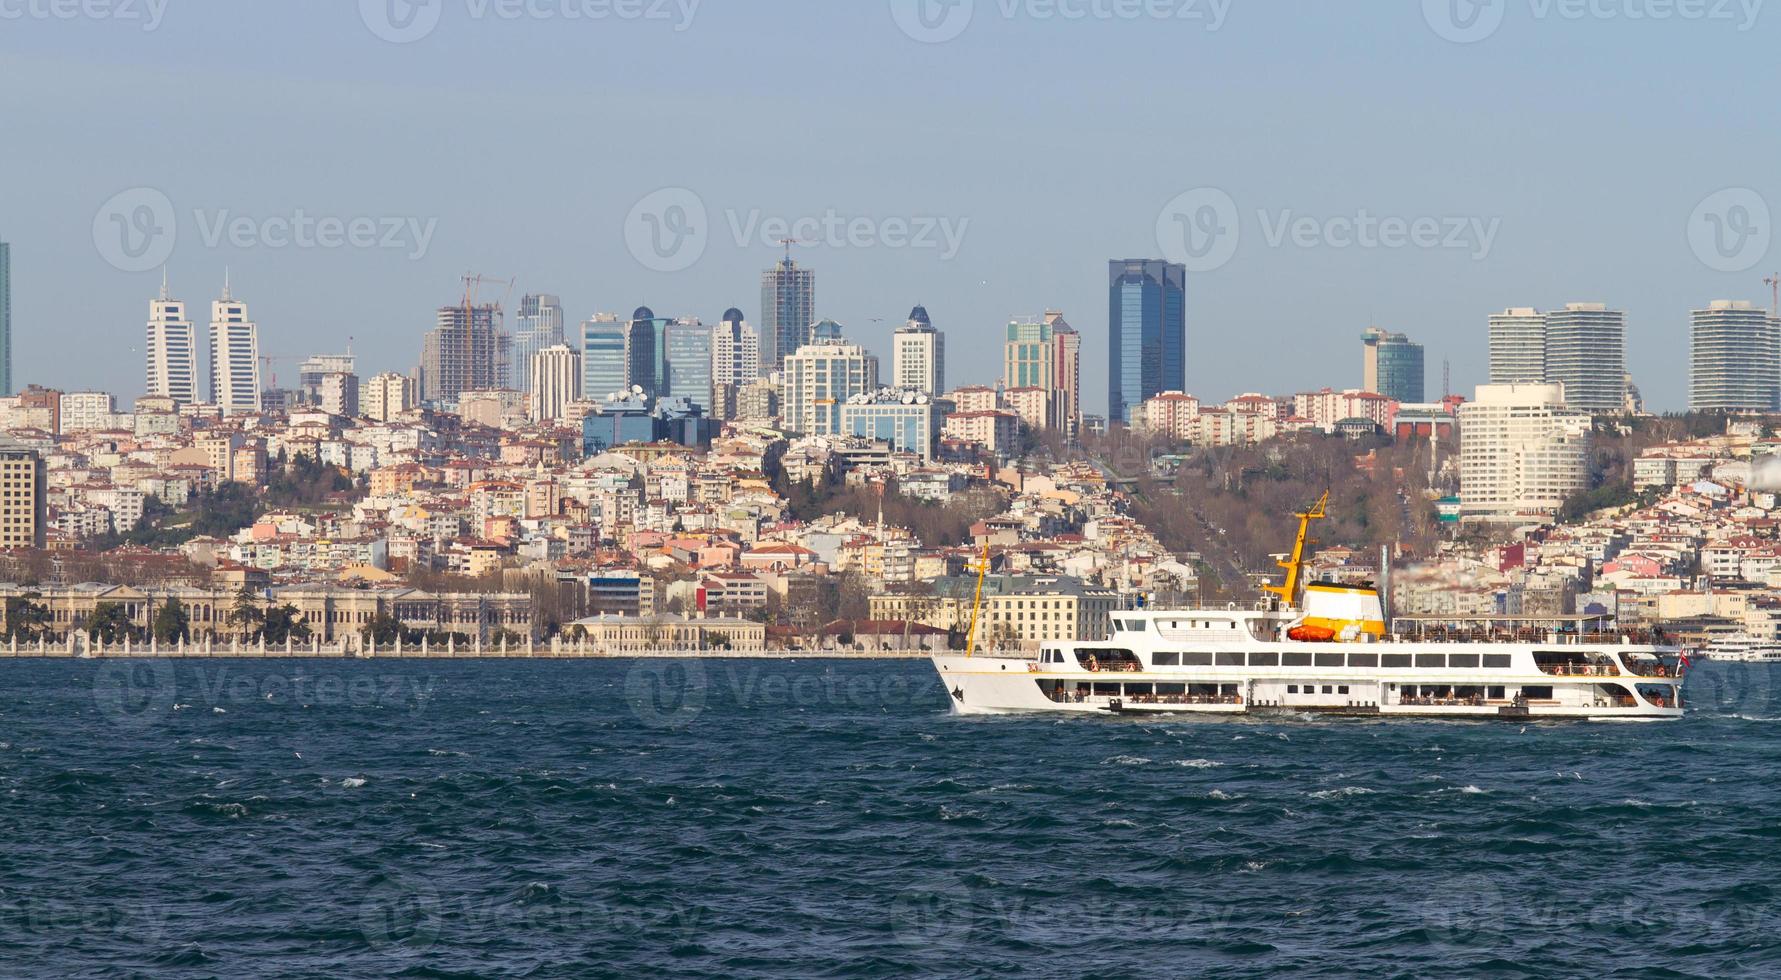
x,y
788,308
1392,366
605,369
1147,333
688,363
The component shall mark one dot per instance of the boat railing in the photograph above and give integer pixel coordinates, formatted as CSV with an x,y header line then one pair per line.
x,y
1580,670
1623,637
1069,697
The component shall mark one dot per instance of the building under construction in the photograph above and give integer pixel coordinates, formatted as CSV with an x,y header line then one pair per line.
x,y
468,350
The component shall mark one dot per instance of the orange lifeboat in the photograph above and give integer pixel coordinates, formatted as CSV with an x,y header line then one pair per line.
x,y
1311,634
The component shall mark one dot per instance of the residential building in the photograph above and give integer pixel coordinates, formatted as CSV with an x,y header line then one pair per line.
x,y
1046,353
1518,346
555,376
387,396
171,351
23,498
1586,352
86,411
463,352
234,356
788,308
1523,452
819,378
1391,365
1147,333
1735,359
996,431
918,355
311,372
1015,608
338,394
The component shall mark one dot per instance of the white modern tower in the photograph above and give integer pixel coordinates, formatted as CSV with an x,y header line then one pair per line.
x,y
172,350
918,355
819,378
234,356
555,374
1735,359
1586,352
1518,346
735,351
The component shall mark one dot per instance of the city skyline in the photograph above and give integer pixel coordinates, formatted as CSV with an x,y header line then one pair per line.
x,y
1032,238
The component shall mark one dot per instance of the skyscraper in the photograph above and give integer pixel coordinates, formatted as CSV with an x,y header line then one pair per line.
x,y
540,325
234,356
1391,366
1586,352
918,355
555,373
1518,346
819,378
24,498
172,350
1045,353
5,319
1147,332
605,369
1735,359
646,351
788,308
687,363
735,351
463,352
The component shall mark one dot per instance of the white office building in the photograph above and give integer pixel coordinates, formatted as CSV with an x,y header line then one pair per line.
x,y
172,350
819,378
918,355
234,356
1522,453
1735,359
735,351
555,374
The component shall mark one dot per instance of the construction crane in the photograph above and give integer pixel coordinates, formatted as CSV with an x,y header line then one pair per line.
x,y
787,244
474,280
1774,284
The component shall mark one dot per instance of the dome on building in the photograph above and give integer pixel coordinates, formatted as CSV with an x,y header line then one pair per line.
x,y
643,313
920,315
732,315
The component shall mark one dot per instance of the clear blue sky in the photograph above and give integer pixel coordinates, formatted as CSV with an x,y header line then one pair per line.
x,y
1589,140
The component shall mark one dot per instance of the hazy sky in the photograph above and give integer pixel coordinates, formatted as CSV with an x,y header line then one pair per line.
x,y
1523,152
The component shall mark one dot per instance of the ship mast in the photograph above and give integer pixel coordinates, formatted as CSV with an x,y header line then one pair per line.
x,y
1295,566
977,603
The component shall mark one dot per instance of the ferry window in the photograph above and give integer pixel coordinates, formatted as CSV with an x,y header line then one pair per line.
x,y
1537,693
1226,659
1329,660
1496,693
1363,660
1326,689
1342,689
1394,660
1292,689
1168,659
1497,660
1462,660
1269,659
1431,660
1196,660
1296,659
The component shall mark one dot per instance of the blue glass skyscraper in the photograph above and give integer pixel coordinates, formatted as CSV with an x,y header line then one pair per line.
x,y
1146,332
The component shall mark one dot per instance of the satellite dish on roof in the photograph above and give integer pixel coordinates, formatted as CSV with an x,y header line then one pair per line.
x,y
921,399
636,389
908,397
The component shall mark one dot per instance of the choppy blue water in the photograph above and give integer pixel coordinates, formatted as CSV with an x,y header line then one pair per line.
x,y
767,818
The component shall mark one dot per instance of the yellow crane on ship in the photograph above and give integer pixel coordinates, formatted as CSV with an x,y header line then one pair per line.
x,y
1295,565
977,603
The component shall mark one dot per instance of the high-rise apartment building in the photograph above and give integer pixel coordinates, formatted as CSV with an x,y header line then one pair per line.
x,y
918,355
234,356
1045,353
538,325
338,394
1586,352
23,498
312,370
466,350
819,378
1392,366
788,308
1735,359
686,365
1147,333
172,350
1522,452
1518,346
555,374
735,351
387,396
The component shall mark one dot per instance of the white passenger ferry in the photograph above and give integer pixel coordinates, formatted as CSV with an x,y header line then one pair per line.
x,y
1333,657
1743,648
